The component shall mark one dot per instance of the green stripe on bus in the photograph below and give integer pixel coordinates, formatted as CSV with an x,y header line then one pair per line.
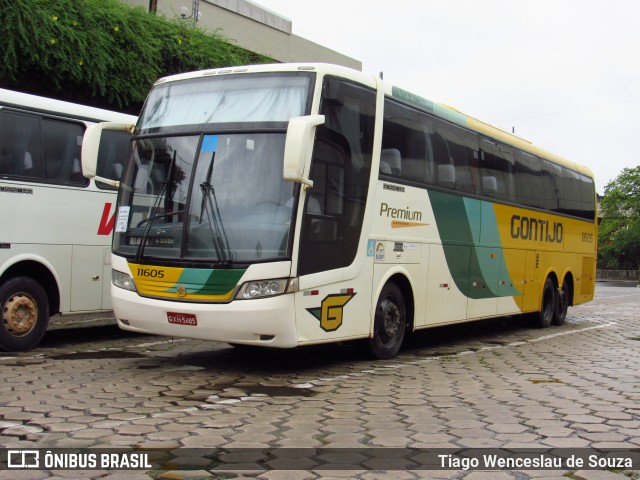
x,y
459,221
424,104
206,281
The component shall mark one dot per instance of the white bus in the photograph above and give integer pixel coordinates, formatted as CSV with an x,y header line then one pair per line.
x,y
289,205
55,225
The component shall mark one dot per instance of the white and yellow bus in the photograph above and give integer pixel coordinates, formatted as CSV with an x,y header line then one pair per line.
x,y
55,225
288,205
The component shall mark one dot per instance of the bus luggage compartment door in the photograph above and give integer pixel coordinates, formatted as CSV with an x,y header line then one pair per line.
x,y
87,272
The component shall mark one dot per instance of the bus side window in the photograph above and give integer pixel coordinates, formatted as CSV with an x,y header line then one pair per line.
x,y
551,185
407,144
497,171
20,149
587,194
62,151
457,158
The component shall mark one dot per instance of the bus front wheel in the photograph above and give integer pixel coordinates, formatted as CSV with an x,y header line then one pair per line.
x,y
389,324
25,314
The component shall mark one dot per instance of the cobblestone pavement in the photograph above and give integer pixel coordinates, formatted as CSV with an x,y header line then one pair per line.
x,y
492,384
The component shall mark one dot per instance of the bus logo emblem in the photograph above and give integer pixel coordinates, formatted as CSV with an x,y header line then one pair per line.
x,y
331,311
181,291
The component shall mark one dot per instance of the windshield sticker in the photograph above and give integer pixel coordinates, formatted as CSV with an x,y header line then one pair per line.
x,y
210,143
142,178
123,219
371,245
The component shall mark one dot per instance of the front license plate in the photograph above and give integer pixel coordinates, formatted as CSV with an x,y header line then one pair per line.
x,y
182,318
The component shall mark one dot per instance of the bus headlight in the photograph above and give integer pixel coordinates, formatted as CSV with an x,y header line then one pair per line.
x,y
122,280
264,288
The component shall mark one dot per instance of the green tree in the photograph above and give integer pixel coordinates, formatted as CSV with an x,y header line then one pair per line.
x,y
619,233
102,52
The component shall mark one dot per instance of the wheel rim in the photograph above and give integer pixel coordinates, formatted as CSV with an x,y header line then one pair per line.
x,y
20,314
391,321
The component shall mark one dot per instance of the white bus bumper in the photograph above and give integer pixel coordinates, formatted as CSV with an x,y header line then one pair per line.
x,y
267,321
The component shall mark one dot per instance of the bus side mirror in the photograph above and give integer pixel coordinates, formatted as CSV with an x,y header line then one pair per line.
x,y
297,147
91,147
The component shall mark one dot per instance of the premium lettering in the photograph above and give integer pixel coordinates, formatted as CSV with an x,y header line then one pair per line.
x,y
399,213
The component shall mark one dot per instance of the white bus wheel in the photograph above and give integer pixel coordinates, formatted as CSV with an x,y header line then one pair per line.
x,y
25,314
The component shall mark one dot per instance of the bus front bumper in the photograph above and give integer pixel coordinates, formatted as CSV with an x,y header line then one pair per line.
x,y
266,321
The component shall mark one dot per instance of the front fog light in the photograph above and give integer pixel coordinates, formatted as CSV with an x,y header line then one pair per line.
x,y
122,280
262,288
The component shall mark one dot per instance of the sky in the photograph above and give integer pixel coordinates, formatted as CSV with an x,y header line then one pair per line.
x,y
565,74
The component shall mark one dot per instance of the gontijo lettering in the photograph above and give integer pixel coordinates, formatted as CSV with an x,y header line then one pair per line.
x,y
400,213
538,230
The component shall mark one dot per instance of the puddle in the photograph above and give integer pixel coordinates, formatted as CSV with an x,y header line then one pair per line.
x,y
548,380
101,355
237,391
254,390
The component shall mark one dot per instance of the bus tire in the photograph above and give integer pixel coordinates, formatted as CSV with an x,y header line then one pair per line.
x,y
389,324
25,314
562,304
548,306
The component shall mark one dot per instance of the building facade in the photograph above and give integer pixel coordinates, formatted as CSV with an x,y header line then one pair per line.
x,y
250,26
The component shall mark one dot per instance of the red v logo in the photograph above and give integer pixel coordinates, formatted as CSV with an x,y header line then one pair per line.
x,y
106,223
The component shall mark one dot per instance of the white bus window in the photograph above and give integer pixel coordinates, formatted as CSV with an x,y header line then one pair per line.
x,y
62,151
20,151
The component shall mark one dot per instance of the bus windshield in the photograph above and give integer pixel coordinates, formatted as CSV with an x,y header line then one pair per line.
x,y
212,189
226,99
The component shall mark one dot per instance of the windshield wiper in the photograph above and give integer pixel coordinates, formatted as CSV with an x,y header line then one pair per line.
x,y
218,233
154,208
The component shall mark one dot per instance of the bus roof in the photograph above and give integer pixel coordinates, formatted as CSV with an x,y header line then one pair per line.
x,y
438,109
59,107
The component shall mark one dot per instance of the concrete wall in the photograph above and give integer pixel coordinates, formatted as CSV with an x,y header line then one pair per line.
x,y
254,28
630,275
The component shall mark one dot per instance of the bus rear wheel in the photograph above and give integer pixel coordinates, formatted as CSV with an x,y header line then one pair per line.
x,y
548,307
24,307
390,323
562,304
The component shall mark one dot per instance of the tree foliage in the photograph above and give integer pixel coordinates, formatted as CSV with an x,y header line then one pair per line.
x,y
619,233
102,52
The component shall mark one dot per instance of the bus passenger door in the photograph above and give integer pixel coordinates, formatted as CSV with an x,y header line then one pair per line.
x,y
335,282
